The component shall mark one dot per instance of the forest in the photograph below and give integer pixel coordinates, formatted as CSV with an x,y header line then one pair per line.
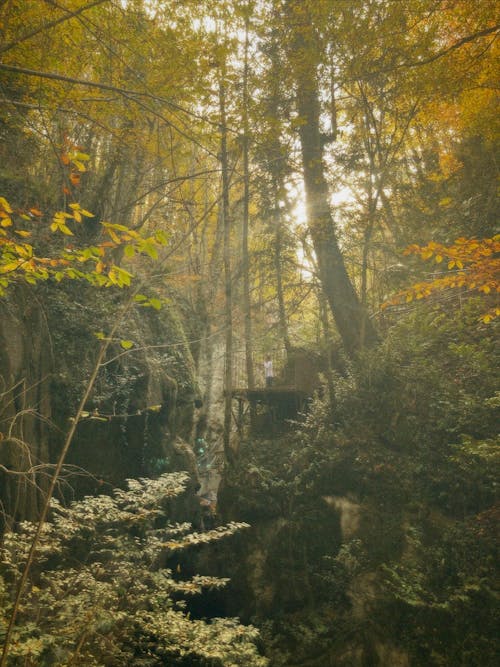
x,y
249,306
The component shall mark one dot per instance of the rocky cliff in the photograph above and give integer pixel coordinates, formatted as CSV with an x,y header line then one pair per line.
x,y
139,415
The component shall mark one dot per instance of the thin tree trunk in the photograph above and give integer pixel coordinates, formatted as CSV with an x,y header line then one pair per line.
x,y
246,202
228,317
327,344
279,274
276,166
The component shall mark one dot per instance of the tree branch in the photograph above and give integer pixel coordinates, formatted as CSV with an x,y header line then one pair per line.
x,y
445,52
46,26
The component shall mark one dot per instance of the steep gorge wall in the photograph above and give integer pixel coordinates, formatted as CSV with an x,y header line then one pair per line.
x,y
139,415
25,405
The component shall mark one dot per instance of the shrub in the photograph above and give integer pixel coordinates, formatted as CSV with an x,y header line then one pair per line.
x,y
101,593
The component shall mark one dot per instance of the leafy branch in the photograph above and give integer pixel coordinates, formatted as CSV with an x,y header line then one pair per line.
x,y
474,264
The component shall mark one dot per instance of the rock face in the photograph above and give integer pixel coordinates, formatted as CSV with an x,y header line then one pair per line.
x,y
138,414
25,406
300,572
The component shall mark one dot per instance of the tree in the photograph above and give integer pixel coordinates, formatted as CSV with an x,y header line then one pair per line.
x,y
343,300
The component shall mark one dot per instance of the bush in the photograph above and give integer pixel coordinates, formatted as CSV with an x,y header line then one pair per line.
x,y
101,593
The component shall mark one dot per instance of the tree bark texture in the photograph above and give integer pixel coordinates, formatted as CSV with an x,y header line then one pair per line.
x,y
245,229
228,317
343,300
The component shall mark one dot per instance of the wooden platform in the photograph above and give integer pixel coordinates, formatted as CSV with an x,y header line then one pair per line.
x,y
266,394
272,406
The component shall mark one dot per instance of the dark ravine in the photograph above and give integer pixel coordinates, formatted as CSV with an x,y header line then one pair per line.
x,y
360,514
140,415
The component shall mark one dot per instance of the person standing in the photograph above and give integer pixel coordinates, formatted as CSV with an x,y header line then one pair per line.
x,y
268,371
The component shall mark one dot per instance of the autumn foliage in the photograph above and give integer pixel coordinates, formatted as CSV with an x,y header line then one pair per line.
x,y
471,265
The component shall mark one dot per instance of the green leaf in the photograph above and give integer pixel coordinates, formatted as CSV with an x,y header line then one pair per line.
x,y
149,248
161,237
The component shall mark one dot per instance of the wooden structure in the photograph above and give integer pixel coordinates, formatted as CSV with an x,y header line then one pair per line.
x,y
271,406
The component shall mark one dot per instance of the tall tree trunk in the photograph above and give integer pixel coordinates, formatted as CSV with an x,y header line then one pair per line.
x,y
244,242
277,166
228,318
338,288
278,265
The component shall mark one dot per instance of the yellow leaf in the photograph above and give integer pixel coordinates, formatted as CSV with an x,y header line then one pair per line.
x,y
79,165
451,264
459,264
11,266
6,222
439,259
126,344
5,205
113,235
24,250
65,230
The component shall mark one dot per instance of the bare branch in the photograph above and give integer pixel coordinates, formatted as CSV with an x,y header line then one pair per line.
x,y
51,24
